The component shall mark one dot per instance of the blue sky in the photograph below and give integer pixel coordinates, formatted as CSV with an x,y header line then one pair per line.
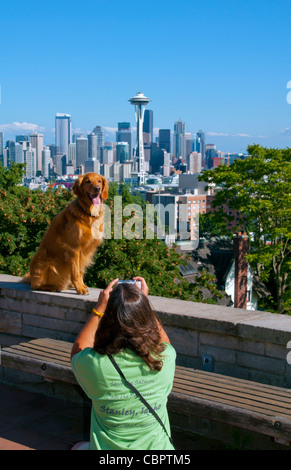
x,y
221,66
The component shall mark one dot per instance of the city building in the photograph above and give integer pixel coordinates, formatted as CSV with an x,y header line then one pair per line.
x,y
179,140
200,136
124,134
81,151
30,160
92,146
36,141
148,126
100,140
195,162
2,148
46,162
122,152
63,128
72,158
165,139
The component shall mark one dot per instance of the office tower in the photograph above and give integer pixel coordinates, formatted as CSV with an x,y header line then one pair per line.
x,y
200,135
148,126
92,146
36,141
194,165
63,133
72,155
92,166
19,154
139,101
1,148
100,140
179,142
157,158
165,139
10,145
122,153
46,161
81,151
210,153
30,160
61,164
107,153
188,144
124,134
21,138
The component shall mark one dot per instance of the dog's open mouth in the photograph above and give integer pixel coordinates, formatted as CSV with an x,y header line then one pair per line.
x,y
95,198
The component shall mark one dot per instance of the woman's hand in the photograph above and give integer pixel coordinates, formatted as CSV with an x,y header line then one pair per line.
x,y
144,286
104,296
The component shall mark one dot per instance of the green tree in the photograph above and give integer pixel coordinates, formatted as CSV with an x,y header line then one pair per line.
x,y
259,189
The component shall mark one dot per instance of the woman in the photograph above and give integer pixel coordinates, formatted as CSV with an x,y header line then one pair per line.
x,y
124,325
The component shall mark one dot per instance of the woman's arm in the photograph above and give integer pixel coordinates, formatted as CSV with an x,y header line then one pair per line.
x,y
86,337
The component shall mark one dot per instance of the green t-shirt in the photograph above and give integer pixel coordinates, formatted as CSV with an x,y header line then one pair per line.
x,y
119,420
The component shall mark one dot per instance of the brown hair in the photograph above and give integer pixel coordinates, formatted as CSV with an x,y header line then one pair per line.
x,y
130,322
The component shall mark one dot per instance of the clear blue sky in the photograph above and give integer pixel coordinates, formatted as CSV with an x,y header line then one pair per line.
x,y
221,66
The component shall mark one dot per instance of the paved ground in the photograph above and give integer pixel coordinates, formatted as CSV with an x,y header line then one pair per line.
x,y
32,421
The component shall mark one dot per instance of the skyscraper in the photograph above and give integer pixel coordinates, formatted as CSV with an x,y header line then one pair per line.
x,y
124,134
100,140
63,133
46,161
92,146
1,148
81,151
179,141
36,141
148,126
165,139
201,136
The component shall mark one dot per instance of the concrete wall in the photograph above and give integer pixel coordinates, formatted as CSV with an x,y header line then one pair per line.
x,y
240,343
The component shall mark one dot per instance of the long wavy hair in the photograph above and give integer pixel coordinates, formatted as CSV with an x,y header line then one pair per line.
x,y
130,322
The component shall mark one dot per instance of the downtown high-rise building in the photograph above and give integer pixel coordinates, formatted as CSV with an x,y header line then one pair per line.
x,y
165,139
100,140
81,151
63,129
1,148
92,146
179,139
148,126
200,136
36,141
124,134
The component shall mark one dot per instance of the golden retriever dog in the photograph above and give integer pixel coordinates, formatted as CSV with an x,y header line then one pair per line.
x,y
70,243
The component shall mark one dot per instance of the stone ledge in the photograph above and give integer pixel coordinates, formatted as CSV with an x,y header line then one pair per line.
x,y
263,326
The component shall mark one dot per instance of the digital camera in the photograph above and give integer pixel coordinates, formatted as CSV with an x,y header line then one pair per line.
x,y
131,281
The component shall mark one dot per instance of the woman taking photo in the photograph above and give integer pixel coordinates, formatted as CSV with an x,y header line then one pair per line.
x,y
124,328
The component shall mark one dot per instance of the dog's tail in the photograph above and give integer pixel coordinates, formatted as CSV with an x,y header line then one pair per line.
x,y
26,279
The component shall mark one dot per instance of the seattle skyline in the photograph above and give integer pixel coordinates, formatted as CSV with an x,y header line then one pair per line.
x,y
222,67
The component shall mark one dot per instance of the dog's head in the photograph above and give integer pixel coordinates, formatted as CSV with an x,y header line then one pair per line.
x,y
91,189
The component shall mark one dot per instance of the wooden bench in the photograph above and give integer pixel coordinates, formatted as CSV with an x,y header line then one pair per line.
x,y
261,408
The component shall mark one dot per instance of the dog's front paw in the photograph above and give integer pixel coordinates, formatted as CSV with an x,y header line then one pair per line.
x,y
83,290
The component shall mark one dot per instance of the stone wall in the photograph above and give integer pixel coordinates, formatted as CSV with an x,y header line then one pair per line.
x,y
235,342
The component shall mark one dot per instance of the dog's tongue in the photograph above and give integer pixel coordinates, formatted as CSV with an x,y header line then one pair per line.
x,y
96,201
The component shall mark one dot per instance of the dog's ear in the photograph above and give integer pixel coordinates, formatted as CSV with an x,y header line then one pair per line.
x,y
76,186
105,189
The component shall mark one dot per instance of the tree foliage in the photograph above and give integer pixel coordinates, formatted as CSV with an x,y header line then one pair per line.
x,y
259,189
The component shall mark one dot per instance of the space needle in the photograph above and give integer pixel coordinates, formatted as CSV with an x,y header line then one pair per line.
x,y
139,101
